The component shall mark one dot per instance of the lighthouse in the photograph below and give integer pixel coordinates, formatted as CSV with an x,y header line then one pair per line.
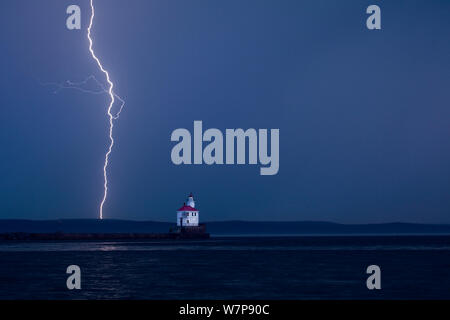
x,y
187,215
188,226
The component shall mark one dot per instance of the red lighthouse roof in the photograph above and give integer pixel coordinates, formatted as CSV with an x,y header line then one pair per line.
x,y
186,208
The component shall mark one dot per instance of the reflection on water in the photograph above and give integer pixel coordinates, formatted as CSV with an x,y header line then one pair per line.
x,y
229,268
377,243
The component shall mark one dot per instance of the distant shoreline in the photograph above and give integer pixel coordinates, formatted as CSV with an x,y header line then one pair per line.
x,y
329,235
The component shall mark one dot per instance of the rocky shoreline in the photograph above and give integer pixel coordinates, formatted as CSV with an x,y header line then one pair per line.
x,y
58,236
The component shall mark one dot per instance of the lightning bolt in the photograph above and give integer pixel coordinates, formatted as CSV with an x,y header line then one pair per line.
x,y
110,115
85,86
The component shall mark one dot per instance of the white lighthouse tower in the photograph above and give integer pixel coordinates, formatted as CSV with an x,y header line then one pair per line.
x,y
190,201
187,215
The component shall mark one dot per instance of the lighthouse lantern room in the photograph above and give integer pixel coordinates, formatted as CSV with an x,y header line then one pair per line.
x,y
187,215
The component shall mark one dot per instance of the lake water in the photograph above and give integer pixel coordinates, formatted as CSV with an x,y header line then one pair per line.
x,y
316,267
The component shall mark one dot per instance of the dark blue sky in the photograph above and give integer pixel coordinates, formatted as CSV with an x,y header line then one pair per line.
x,y
364,116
